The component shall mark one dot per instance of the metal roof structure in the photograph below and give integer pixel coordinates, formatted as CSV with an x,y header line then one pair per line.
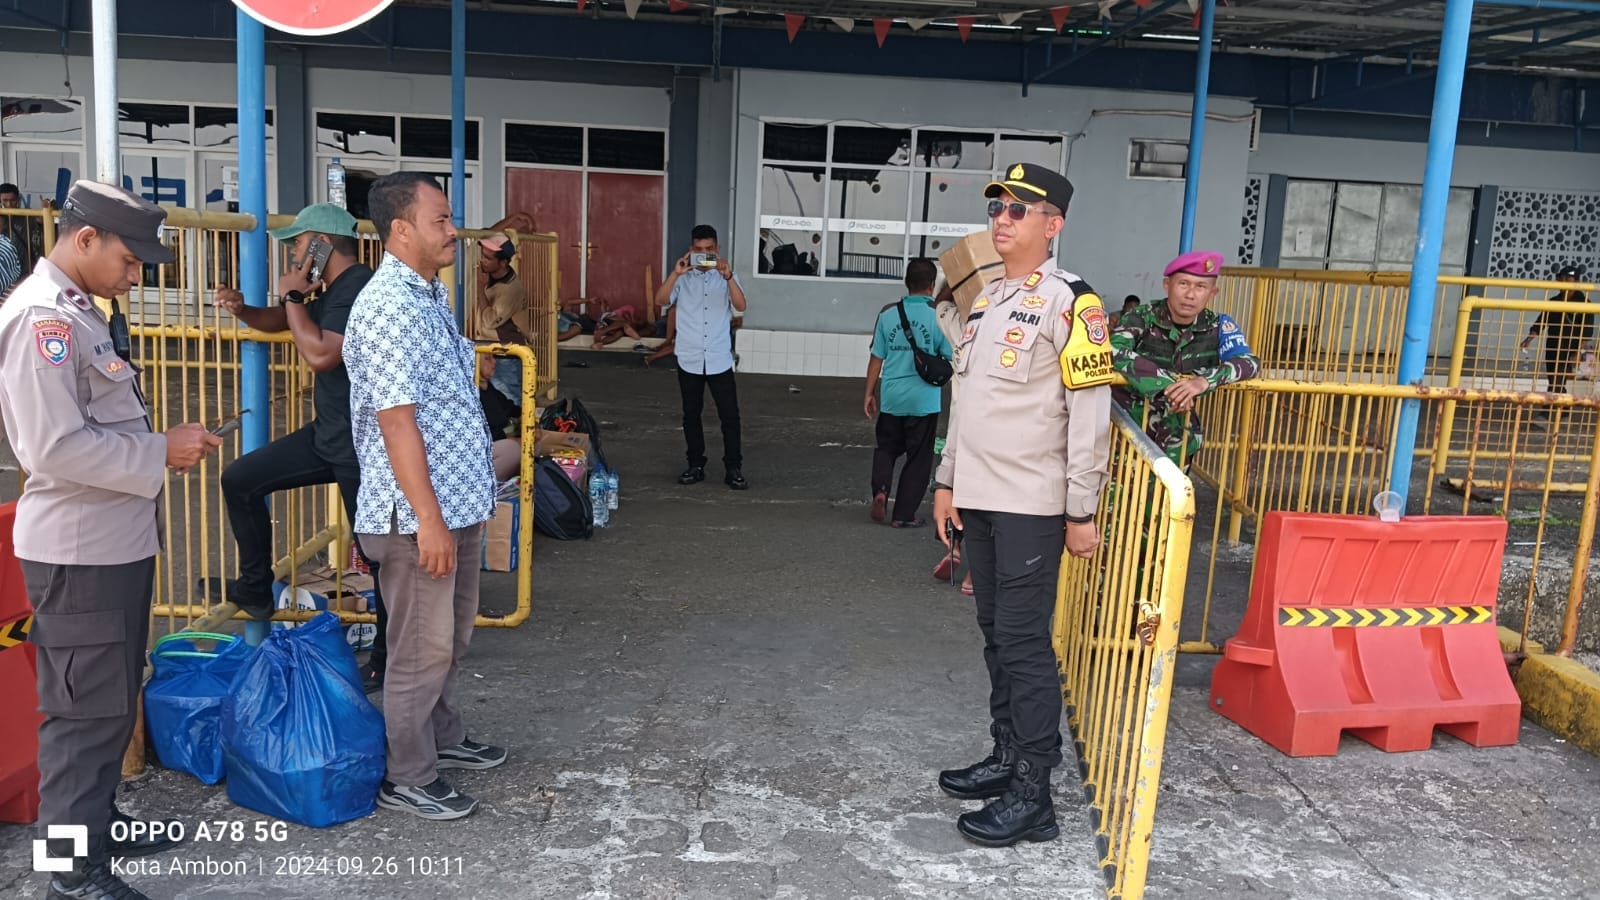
x,y
1547,38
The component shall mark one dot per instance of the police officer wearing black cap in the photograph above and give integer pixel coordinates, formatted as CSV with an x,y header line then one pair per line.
x,y
88,523
1021,476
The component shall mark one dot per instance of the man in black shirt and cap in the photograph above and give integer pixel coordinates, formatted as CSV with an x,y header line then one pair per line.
x,y
1565,333
322,258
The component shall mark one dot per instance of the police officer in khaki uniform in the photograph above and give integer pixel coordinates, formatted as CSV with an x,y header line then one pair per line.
x,y
87,527
1021,475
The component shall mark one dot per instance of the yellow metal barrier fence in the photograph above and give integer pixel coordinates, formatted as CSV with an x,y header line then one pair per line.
x,y
1348,326
32,232
1326,447
1116,634
189,351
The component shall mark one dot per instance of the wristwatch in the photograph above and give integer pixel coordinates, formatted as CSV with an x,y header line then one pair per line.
x,y
294,297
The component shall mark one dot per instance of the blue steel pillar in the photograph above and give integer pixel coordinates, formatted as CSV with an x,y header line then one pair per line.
x,y
458,141
1430,230
1197,125
253,251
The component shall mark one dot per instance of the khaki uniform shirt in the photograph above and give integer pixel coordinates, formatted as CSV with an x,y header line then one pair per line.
x,y
79,427
1031,434
504,317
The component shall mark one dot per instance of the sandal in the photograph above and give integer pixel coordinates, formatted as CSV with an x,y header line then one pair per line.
x,y
914,523
946,569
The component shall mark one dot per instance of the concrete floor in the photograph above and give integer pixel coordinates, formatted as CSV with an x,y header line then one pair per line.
x,y
748,695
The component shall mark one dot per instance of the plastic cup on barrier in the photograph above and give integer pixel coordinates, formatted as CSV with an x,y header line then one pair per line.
x,y
1389,506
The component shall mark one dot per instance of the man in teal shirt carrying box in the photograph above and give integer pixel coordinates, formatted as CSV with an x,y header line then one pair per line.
x,y
908,412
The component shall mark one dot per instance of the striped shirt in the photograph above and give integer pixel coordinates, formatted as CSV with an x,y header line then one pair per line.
x,y
10,265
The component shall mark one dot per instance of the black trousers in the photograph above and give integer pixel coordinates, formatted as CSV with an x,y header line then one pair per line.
x,y
911,437
289,462
1015,560
90,625
726,396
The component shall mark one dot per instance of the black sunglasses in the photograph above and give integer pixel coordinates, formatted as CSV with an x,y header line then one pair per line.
x,y
1017,211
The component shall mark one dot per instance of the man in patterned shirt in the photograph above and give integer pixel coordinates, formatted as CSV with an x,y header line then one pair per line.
x,y
427,487
10,266
1173,350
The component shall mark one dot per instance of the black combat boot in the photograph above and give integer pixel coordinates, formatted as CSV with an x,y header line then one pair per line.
x,y
985,779
91,877
1023,813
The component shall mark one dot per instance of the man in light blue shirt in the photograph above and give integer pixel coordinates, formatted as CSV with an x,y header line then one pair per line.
x,y
908,412
427,487
704,295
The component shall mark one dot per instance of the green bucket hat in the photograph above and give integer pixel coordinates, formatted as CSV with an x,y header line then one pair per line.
x,y
322,218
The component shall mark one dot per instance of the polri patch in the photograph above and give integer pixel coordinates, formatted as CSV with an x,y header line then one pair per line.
x,y
1094,322
983,303
1015,336
78,298
1008,358
54,339
1032,281
1033,302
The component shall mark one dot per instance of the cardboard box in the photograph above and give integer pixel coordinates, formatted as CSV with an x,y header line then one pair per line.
x,y
317,589
502,537
546,443
968,267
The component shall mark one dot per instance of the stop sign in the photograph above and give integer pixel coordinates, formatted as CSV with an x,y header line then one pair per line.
x,y
312,17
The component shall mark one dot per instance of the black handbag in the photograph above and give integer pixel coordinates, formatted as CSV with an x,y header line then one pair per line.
x,y
935,370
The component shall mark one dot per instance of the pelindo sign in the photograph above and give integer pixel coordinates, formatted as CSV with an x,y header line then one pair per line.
x,y
312,17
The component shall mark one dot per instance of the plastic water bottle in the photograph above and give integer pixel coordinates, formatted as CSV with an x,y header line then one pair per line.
x,y
336,183
613,486
597,498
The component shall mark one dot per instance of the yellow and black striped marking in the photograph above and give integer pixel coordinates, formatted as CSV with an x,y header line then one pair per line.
x,y
1361,617
14,633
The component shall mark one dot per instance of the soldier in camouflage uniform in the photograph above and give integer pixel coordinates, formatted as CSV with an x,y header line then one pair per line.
x,y
1173,350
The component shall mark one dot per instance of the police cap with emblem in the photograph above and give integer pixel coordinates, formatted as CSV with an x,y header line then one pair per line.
x,y
1032,183
115,211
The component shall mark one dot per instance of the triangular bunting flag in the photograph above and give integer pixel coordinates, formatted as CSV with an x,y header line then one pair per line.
x,y
677,5
793,21
964,26
631,7
724,11
1194,22
582,4
919,24
1058,16
1010,18
1103,9
880,27
1142,4
845,25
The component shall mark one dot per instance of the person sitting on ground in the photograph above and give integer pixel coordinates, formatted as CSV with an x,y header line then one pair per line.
x,y
1129,304
669,335
571,322
1173,350
613,325
908,414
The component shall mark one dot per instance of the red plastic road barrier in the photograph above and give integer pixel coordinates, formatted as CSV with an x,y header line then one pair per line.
x,y
1382,629
13,593
19,699
19,752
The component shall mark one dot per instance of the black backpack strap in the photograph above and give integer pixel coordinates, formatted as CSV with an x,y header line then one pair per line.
x,y
905,325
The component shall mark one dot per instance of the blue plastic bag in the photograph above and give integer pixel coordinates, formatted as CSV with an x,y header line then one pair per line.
x,y
300,740
183,701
